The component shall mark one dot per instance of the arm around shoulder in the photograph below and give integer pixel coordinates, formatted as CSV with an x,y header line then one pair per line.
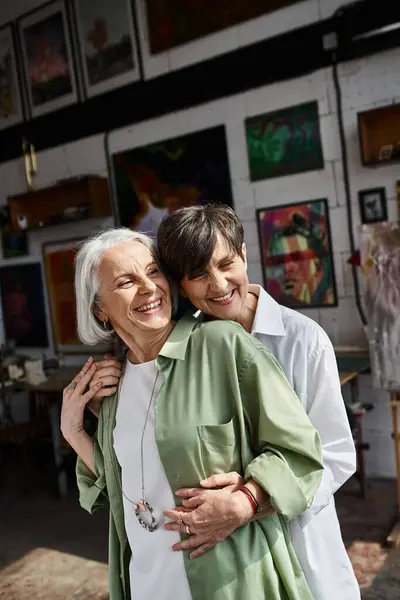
x,y
289,465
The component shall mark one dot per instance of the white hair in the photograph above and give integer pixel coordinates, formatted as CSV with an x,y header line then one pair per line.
x,y
87,262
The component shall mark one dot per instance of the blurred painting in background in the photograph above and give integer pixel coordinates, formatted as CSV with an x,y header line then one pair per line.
x,y
23,305
284,142
296,254
380,264
10,99
175,22
107,44
154,180
14,243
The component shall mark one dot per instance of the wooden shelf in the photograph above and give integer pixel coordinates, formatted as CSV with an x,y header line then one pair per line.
x,y
379,128
67,201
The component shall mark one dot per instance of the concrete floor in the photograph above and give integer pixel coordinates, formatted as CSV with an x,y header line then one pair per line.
x,y
53,550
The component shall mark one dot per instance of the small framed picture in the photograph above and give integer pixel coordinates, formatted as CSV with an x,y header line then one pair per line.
x,y
11,112
48,59
373,205
107,44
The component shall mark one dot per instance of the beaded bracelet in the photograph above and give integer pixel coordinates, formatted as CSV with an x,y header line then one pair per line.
x,y
252,499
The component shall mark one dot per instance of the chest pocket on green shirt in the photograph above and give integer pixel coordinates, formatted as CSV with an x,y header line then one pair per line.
x,y
220,447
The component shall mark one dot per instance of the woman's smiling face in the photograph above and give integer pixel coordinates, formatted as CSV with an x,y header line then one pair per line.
x,y
134,294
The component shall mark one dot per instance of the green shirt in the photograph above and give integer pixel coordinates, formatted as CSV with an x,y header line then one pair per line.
x,y
225,405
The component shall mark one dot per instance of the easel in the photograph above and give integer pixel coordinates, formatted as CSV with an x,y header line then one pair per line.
x,y
394,536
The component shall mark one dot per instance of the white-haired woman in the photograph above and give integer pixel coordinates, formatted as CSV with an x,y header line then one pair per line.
x,y
194,399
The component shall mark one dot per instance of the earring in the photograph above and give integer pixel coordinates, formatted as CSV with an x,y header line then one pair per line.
x,y
105,325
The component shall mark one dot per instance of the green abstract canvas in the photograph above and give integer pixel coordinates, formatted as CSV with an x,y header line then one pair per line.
x,y
284,142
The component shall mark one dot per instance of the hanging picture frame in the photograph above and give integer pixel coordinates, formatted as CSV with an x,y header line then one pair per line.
x,y
373,205
107,41
11,106
296,254
48,59
59,268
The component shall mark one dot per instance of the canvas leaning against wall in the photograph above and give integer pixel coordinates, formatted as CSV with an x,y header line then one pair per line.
x,y
296,254
284,142
380,264
23,306
156,179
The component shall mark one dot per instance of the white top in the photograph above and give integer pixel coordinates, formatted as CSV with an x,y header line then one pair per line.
x,y
308,359
155,571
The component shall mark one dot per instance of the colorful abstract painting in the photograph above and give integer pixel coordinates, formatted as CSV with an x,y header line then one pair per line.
x,y
175,22
284,142
47,53
296,254
380,266
107,44
24,315
154,180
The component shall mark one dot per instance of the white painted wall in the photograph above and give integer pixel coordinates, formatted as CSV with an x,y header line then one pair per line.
x,y
365,83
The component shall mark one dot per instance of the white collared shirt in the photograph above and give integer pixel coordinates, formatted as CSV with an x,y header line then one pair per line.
x,y
308,359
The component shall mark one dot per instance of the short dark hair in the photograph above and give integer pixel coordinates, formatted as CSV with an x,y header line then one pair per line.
x,y
186,239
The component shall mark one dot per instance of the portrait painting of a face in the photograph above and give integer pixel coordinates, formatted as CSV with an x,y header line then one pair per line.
x,y
296,254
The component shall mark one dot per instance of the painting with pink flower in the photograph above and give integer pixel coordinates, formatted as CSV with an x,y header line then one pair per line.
x,y
48,61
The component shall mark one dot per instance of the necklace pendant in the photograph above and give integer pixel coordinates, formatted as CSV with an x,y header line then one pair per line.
x,y
150,523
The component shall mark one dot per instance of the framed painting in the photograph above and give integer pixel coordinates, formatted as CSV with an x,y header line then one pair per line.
x,y
373,205
59,268
48,60
154,180
14,243
284,142
11,110
23,307
296,252
107,44
175,22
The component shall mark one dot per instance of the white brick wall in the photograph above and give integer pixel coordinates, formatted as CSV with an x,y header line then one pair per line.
x,y
365,83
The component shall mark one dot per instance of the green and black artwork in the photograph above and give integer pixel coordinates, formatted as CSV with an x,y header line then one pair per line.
x,y
284,142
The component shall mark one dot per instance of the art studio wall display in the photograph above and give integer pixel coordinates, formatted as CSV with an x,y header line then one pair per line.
x,y
10,88
47,51
380,267
296,253
373,205
175,22
59,268
107,44
23,308
14,243
284,142
154,180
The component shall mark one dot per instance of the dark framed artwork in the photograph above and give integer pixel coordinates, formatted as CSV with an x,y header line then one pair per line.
x,y
373,205
174,22
14,243
11,106
154,180
48,58
59,268
284,142
107,44
296,253
24,316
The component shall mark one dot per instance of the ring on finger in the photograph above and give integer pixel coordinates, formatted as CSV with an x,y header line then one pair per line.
x,y
187,530
72,385
180,520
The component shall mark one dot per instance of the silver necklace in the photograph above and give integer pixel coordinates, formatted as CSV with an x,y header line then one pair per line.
x,y
142,507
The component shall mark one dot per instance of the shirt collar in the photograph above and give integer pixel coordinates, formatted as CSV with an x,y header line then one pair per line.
x,y
176,345
268,317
